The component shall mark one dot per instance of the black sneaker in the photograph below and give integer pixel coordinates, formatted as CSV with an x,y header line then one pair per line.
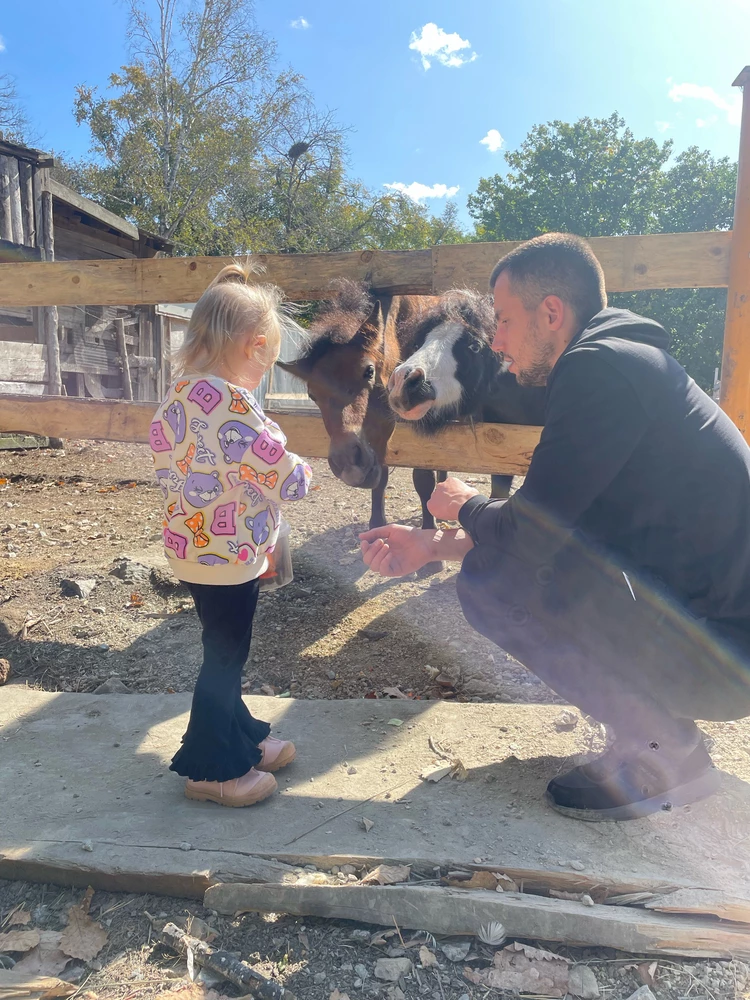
x,y
627,782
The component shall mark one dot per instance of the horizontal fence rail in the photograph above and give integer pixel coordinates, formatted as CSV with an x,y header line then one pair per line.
x,y
483,448
631,263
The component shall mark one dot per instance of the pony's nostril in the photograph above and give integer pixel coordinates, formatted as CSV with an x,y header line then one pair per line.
x,y
415,376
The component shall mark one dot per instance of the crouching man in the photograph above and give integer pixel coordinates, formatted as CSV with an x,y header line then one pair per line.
x,y
619,573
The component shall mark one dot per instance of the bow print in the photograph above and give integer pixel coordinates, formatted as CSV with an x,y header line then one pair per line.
x,y
179,386
238,404
184,464
195,523
250,475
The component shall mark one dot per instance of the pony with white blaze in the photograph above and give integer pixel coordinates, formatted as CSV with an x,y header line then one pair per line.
x,y
452,373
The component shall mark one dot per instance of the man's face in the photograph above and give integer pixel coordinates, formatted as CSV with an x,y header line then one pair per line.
x,y
519,336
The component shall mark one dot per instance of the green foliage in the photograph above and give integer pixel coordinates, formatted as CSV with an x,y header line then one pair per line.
x,y
594,178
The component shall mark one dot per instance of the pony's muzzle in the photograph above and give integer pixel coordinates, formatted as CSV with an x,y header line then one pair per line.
x,y
409,389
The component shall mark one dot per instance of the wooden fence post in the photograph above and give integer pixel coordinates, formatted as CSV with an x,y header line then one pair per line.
x,y
735,366
122,347
54,375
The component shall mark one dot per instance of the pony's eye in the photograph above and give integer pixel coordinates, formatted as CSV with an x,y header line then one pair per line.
x,y
369,373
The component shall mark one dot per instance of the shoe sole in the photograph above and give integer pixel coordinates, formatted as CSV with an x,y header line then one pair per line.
x,y
231,801
281,761
705,785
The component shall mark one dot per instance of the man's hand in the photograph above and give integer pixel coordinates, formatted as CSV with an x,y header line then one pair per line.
x,y
448,498
397,549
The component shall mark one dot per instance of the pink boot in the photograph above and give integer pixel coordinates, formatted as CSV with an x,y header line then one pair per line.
x,y
245,791
276,754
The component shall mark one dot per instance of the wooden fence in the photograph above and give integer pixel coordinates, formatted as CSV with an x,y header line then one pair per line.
x,y
631,263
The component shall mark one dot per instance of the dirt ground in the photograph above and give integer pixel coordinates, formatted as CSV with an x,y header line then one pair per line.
x,y
93,511
336,632
314,957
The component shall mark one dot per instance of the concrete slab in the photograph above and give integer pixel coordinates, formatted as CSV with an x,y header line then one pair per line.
x,y
93,770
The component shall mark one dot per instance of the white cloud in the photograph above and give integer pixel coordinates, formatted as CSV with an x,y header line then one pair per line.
x,y
493,140
697,92
2,44
706,122
663,126
418,192
448,49
301,23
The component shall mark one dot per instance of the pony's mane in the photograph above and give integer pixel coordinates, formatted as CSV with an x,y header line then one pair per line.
x,y
336,319
459,305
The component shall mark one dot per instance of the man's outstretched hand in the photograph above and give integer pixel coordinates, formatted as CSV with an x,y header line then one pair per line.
x,y
448,498
397,549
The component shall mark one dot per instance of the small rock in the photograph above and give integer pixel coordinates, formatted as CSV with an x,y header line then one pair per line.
x,y
578,866
130,571
391,969
351,770
566,720
267,690
319,977
644,993
455,951
78,588
99,610
331,675
185,846
587,900
359,934
361,971
582,983
103,647
112,686
87,845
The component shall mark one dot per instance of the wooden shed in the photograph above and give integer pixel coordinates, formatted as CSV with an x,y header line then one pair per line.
x,y
104,352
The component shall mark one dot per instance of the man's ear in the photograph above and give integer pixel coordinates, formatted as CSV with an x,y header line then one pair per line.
x,y
371,332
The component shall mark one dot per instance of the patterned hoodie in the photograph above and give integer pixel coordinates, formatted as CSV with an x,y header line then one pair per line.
x,y
223,469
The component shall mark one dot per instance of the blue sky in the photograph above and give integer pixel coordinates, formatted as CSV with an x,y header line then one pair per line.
x,y
422,82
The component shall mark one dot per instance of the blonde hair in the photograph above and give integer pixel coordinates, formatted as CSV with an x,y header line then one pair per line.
x,y
231,306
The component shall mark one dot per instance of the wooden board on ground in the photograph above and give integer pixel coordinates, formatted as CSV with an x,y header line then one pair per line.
x,y
489,448
703,901
465,912
672,260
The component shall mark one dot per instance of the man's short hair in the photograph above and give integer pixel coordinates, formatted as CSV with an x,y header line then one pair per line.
x,y
555,264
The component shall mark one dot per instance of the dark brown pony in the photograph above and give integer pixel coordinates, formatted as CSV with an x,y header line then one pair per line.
x,y
355,343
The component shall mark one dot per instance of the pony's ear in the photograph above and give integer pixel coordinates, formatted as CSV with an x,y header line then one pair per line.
x,y
371,331
296,368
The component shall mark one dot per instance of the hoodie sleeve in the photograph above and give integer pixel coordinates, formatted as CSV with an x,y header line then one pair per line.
x,y
281,475
594,422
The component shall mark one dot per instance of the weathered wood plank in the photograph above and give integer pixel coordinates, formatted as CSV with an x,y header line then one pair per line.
x,y
27,204
21,362
703,902
183,279
465,911
500,448
92,208
127,384
631,263
6,221
679,260
16,214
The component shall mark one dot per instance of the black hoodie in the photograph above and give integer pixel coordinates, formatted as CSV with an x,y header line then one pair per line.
x,y
636,459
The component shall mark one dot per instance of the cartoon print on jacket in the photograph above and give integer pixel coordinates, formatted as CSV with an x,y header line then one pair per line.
x,y
202,488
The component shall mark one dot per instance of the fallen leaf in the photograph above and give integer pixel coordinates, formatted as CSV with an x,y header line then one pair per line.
x,y
304,940
520,968
366,823
387,875
46,959
19,940
136,601
20,918
479,880
505,883
82,938
427,958
436,773
23,986
198,928
395,693
647,973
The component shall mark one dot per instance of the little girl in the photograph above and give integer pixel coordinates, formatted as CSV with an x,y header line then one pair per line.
x,y
224,470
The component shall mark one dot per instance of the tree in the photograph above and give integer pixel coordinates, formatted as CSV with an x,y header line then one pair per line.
x,y
199,97
594,178
14,123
